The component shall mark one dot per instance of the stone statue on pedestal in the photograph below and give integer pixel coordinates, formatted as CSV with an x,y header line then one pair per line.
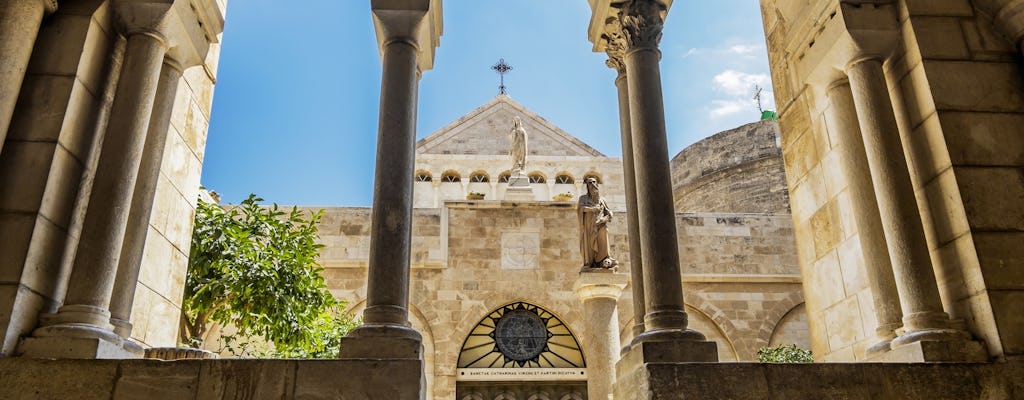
x,y
518,149
594,215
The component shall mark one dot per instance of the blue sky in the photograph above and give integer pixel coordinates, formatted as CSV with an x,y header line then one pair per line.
x,y
295,107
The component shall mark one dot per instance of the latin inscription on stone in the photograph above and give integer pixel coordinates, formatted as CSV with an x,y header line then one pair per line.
x,y
520,250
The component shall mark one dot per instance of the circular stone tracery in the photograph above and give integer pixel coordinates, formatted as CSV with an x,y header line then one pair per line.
x,y
521,335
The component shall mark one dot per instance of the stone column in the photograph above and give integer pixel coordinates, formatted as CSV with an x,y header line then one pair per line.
x,y
85,313
636,265
19,26
386,332
142,201
923,316
841,118
665,318
599,292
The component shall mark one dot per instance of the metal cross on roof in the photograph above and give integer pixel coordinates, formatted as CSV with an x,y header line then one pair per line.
x,y
501,68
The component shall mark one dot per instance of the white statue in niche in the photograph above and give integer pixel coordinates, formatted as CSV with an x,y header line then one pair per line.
x,y
518,149
594,216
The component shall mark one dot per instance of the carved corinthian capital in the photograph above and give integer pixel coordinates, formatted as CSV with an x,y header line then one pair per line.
x,y
642,21
616,45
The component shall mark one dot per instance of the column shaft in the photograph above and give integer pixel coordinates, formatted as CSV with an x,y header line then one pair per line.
x,y
663,291
19,26
636,264
142,201
602,340
901,219
387,293
841,119
99,250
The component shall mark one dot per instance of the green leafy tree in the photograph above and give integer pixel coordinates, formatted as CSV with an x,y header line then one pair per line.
x,y
784,355
256,268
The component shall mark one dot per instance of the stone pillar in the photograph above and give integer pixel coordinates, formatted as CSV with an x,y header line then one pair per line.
x,y
636,265
407,32
923,316
665,318
841,118
85,317
142,201
19,26
599,292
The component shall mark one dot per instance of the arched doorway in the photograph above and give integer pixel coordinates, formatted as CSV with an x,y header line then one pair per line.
x,y
521,351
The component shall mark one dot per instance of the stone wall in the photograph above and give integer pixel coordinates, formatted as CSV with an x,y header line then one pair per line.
x,y
958,96
739,271
165,260
47,167
739,170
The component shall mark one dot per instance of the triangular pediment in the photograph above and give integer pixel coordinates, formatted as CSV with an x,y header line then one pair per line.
x,y
486,131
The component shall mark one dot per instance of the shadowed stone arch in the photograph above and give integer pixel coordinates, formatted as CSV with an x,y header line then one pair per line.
x,y
774,316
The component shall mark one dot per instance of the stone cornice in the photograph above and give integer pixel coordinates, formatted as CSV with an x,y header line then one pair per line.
x,y
642,23
852,31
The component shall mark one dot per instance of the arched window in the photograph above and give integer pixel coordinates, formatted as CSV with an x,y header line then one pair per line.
x,y
564,178
521,335
451,176
504,177
423,176
479,176
537,177
595,176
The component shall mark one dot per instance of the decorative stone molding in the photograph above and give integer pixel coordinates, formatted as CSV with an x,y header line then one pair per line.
x,y
50,6
615,46
604,19
178,353
854,31
642,22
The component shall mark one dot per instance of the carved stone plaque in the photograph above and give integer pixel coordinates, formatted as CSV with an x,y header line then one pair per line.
x,y
521,335
520,250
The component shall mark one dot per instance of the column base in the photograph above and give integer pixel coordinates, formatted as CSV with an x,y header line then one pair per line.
x,y
62,347
962,350
519,188
632,374
382,341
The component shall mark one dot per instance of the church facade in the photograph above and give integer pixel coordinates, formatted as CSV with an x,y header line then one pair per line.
x,y
475,260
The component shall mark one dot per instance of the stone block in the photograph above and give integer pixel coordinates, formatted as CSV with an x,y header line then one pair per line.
x,y
976,86
24,167
916,93
246,379
74,348
940,37
145,379
932,351
22,378
944,217
1001,258
939,8
41,108
992,197
363,379
1009,320
984,138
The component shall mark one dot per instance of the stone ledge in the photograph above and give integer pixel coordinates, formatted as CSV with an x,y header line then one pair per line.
x,y
742,381
24,378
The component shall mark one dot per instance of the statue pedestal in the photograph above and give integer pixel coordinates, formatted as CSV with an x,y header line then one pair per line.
x,y
519,188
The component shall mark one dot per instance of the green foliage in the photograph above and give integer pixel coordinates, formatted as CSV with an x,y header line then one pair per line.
x,y
256,269
784,355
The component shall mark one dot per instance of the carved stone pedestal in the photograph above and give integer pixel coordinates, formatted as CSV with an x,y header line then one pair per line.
x,y
519,188
599,291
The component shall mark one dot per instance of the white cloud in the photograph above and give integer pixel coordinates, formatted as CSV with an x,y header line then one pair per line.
x,y
690,52
722,108
738,89
735,83
742,49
